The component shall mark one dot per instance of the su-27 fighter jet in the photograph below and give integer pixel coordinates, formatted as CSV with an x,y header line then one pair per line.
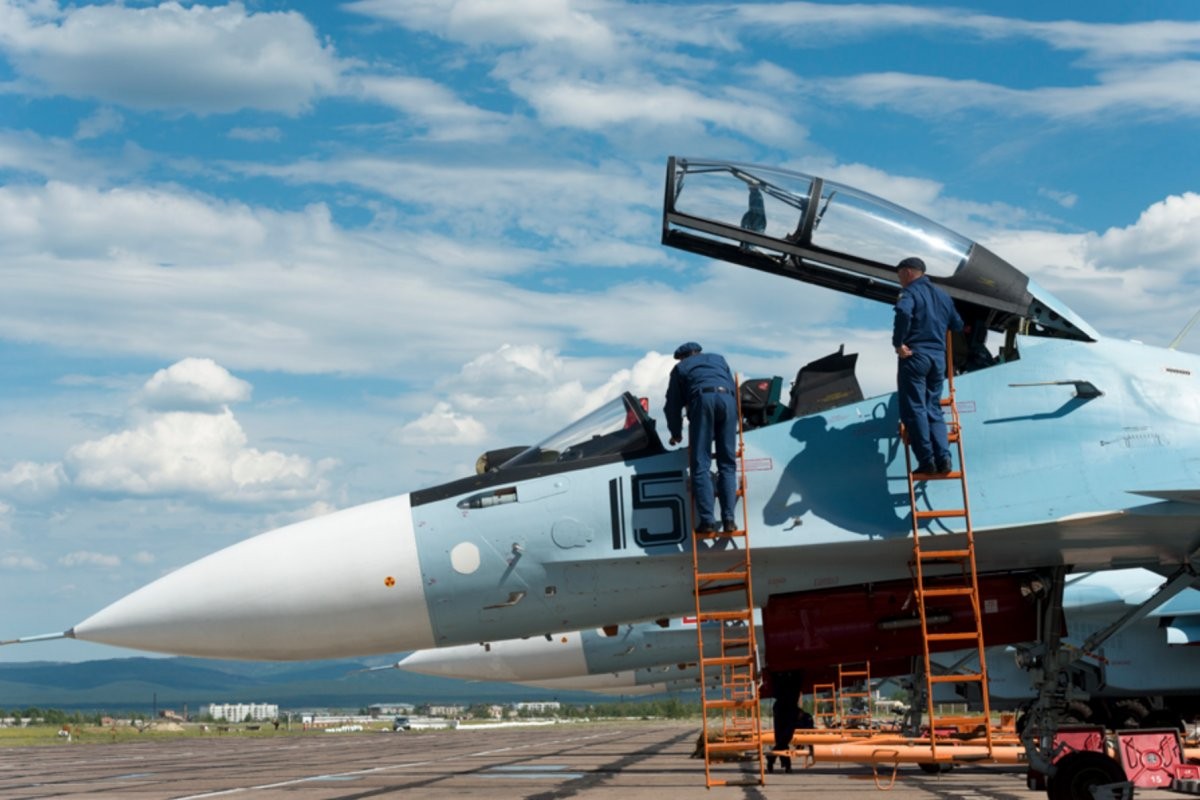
x,y
1144,674
1083,455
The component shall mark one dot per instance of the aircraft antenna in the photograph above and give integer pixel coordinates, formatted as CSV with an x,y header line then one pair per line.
x,y
1186,328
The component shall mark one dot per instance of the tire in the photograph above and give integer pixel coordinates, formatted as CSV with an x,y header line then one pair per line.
x,y
1078,772
1163,718
930,768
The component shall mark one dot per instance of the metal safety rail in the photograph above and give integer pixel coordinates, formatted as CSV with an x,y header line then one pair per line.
x,y
825,704
729,676
954,589
855,705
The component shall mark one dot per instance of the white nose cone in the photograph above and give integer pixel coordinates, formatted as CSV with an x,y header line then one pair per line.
x,y
345,584
535,658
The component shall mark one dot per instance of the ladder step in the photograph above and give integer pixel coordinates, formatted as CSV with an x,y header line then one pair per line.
x,y
965,636
728,587
713,616
958,591
718,534
943,555
943,514
730,704
971,677
730,575
952,475
730,747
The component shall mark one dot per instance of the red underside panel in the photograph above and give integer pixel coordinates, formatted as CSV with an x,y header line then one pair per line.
x,y
815,631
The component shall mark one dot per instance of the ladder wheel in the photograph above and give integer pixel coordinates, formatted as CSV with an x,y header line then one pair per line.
x,y
930,768
1078,772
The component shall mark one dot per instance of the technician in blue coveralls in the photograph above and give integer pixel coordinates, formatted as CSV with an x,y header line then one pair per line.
x,y
923,313
703,384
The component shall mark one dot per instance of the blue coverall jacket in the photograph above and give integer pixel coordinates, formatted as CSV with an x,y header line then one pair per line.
x,y
703,384
923,314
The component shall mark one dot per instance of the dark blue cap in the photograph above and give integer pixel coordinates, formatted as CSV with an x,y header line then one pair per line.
x,y
686,349
912,262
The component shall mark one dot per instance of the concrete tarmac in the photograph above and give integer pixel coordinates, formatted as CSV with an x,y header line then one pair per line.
x,y
648,760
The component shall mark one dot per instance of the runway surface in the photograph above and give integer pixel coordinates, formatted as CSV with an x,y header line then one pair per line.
x,y
597,761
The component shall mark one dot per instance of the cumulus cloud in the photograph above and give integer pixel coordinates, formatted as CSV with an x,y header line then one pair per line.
x,y
525,392
192,454
21,562
193,384
545,22
1150,265
86,558
29,481
267,134
101,122
432,107
143,557
197,58
442,425
1167,234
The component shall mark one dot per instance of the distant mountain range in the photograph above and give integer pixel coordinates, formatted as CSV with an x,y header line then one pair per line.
x,y
140,684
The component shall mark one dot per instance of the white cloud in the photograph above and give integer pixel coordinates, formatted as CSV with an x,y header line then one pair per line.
x,y
265,134
193,58
1150,265
143,557
32,482
194,384
20,562
187,453
102,121
1167,234
597,106
442,425
535,22
1064,199
86,558
432,106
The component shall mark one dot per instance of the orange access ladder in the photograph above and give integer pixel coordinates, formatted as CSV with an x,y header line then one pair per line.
x,y
729,676
825,704
958,588
854,695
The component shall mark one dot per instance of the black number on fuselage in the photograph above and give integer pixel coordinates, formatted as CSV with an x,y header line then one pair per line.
x,y
658,509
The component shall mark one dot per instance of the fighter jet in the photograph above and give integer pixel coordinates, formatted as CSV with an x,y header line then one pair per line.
x,y
1081,448
1143,674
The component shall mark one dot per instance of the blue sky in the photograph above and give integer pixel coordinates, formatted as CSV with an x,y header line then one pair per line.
x,y
263,261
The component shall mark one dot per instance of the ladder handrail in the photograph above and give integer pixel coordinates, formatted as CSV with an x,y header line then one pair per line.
x,y
737,659
969,575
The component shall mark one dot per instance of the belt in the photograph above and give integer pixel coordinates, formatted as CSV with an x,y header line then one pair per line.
x,y
721,389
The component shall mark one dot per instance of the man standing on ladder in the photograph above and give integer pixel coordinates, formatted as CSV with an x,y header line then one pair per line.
x,y
923,313
703,384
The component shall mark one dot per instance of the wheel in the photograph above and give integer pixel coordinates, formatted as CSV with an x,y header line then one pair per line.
x,y
930,768
1078,772
1162,718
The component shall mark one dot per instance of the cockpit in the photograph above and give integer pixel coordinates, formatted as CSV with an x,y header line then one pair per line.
x,y
621,428
818,231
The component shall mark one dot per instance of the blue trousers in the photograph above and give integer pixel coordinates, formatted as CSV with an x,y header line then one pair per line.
x,y
712,420
919,392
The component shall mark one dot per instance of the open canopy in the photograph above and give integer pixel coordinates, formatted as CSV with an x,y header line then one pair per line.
x,y
818,231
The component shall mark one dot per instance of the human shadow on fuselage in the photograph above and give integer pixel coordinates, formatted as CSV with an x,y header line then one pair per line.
x,y
840,476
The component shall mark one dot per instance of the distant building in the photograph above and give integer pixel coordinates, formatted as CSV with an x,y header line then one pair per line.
x,y
236,712
389,709
538,708
446,711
